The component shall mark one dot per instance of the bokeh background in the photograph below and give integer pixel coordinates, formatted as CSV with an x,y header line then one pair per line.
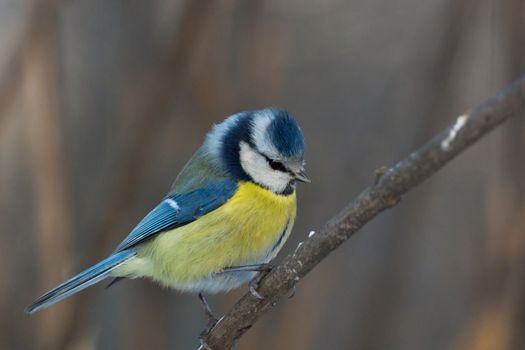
x,y
102,102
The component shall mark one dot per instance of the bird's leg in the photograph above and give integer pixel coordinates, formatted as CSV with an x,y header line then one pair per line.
x,y
249,268
253,286
263,270
212,320
202,344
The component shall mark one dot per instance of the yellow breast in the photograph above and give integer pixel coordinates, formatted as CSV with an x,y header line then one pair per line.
x,y
249,228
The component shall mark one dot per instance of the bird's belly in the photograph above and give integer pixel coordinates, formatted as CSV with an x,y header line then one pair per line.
x,y
248,229
211,284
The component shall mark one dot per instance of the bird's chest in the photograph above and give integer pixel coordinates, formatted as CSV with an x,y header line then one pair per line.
x,y
259,220
249,228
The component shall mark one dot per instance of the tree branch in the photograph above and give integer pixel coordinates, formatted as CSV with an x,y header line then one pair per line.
x,y
391,184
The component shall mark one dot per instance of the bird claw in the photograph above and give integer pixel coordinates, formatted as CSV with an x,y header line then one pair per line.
x,y
203,345
253,291
253,286
204,334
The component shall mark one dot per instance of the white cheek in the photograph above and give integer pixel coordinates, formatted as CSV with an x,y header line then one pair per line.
x,y
258,168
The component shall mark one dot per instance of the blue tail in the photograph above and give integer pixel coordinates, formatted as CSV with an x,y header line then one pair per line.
x,y
86,278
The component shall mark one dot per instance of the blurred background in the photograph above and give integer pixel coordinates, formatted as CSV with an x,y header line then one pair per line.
x,y
102,102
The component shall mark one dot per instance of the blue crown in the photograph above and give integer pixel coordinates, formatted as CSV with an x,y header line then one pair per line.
x,y
286,134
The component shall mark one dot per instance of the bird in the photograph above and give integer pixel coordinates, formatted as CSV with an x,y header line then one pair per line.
x,y
226,216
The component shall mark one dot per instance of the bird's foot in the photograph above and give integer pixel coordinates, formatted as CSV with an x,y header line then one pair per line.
x,y
253,286
210,317
202,344
211,322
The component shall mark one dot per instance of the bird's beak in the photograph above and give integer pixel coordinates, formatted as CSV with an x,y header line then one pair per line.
x,y
301,176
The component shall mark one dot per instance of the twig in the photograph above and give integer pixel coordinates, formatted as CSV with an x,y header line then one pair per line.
x,y
384,194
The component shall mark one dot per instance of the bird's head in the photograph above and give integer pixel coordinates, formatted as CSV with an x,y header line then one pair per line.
x,y
264,146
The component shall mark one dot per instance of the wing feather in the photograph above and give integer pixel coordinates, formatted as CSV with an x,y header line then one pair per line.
x,y
178,210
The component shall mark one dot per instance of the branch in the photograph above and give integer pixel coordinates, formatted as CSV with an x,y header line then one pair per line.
x,y
391,184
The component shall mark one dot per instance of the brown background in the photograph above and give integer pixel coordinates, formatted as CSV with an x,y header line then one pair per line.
x,y
102,102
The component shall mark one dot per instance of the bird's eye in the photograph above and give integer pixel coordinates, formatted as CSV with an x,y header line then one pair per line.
x,y
277,165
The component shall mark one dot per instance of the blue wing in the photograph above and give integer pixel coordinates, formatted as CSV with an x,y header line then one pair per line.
x,y
178,210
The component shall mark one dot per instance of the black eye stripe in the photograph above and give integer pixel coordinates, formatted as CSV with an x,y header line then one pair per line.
x,y
278,166
275,165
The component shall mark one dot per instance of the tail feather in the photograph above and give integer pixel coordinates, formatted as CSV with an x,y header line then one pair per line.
x,y
86,278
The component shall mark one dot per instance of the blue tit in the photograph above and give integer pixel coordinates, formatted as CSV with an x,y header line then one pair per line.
x,y
229,211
